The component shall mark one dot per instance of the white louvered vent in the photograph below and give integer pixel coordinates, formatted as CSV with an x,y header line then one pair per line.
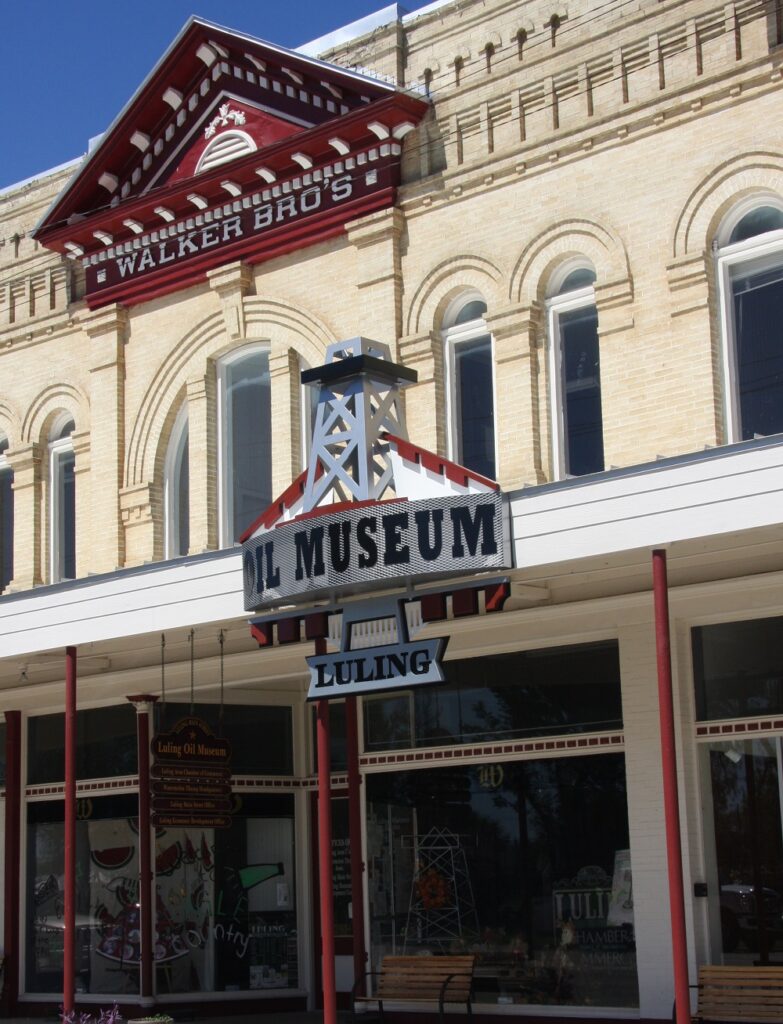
x,y
227,146
376,632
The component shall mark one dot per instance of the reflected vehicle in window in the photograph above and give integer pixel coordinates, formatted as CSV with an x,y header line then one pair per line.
x,y
739,916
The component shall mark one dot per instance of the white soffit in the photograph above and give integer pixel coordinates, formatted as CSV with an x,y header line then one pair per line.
x,y
722,491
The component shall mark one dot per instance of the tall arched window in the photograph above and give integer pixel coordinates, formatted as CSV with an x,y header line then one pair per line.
x,y
62,500
6,517
245,445
471,391
177,488
750,276
575,372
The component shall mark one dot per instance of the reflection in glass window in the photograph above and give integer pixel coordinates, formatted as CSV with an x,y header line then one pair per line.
x,y
503,696
243,725
526,864
750,264
576,374
745,848
107,873
472,394
106,744
245,442
225,904
62,501
6,518
738,668
227,900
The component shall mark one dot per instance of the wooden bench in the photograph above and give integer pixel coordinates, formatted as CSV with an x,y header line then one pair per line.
x,y
740,994
419,979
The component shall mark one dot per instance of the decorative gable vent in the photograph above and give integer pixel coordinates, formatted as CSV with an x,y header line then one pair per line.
x,y
227,146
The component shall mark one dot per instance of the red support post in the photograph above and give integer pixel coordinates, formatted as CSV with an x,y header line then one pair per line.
x,y
144,704
13,804
69,875
325,856
355,836
670,794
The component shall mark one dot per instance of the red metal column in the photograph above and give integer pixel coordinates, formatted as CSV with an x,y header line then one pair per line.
x,y
69,877
13,804
325,857
670,795
144,704
355,835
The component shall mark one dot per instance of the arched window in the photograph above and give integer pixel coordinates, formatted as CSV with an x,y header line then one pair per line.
x,y
177,488
245,427
308,406
750,277
471,390
575,373
62,500
6,517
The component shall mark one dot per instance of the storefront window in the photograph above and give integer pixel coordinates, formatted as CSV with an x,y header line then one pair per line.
x,y
526,864
261,736
504,696
225,904
107,874
744,847
225,910
106,744
738,669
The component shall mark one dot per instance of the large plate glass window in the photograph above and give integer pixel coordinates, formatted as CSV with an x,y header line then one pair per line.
x,y
471,385
245,425
738,673
524,862
6,517
575,372
750,277
62,501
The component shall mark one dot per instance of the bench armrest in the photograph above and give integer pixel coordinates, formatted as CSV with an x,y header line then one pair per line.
x,y
360,978
445,985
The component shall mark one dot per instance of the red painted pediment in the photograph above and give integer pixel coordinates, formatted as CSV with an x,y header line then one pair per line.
x,y
221,116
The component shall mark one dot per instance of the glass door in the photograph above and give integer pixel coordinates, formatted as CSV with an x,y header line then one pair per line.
x,y
745,849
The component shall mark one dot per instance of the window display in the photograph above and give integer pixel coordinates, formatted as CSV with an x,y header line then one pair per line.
x,y
225,910
524,863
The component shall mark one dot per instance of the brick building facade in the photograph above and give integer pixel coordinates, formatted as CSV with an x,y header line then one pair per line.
x,y
583,262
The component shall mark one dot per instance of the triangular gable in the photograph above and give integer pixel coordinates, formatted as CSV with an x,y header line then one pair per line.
x,y
246,104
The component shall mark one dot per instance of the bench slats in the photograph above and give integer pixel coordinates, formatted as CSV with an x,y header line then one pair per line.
x,y
739,994
420,979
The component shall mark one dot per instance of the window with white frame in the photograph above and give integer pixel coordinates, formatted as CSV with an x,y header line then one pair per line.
x,y
6,517
245,444
62,501
750,284
177,488
575,373
471,388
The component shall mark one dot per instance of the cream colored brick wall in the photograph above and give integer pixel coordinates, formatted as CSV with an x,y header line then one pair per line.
x,y
625,142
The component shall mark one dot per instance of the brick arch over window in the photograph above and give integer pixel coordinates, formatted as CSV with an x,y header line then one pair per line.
x,y
445,281
758,172
549,250
54,399
10,427
269,320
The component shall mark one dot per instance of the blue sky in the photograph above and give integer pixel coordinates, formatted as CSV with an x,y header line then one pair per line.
x,y
67,67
